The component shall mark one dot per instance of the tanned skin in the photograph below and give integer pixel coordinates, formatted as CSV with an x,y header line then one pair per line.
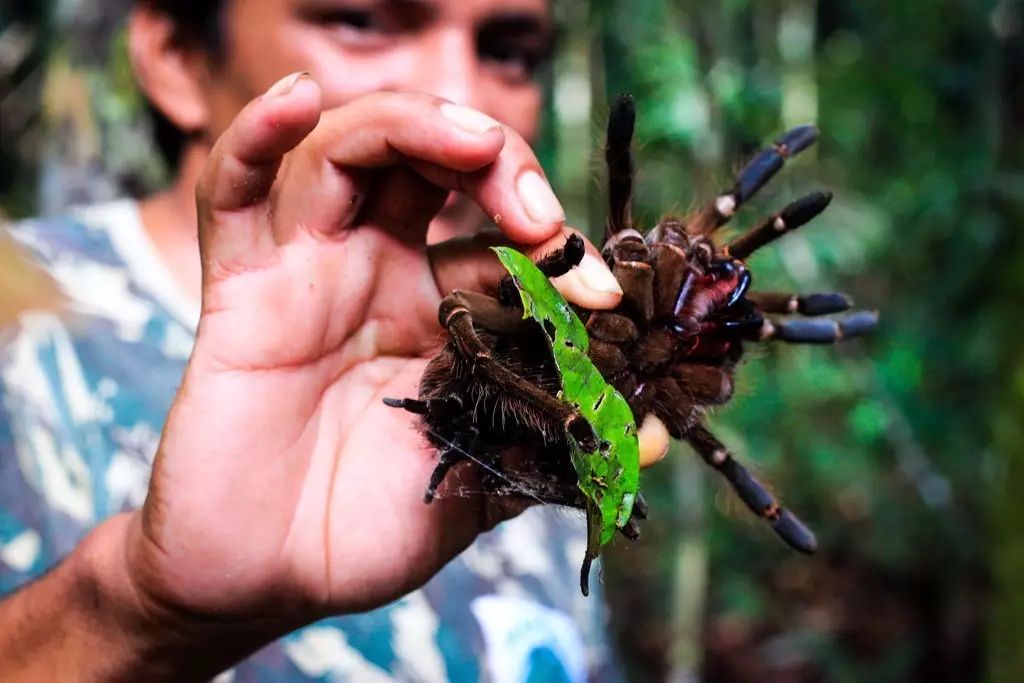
x,y
313,198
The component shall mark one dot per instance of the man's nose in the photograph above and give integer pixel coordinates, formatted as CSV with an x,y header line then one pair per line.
x,y
448,66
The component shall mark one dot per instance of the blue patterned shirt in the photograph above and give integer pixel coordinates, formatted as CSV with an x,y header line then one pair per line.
x,y
83,397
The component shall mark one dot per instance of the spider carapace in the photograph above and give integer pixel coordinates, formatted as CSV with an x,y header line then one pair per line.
x,y
670,348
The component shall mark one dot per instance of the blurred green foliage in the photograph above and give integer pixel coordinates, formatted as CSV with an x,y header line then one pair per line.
x,y
886,446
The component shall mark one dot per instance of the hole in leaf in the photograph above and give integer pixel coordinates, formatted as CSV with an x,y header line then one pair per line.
x,y
549,328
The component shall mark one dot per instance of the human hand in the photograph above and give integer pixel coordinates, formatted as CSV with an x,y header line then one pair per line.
x,y
284,489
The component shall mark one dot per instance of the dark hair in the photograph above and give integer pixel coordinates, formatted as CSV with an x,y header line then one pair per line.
x,y
197,24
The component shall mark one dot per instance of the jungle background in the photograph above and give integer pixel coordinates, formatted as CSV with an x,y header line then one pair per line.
x,y
904,451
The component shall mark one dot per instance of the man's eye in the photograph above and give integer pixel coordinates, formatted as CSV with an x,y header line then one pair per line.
x,y
356,27
513,61
357,19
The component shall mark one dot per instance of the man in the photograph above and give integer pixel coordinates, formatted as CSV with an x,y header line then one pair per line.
x,y
283,491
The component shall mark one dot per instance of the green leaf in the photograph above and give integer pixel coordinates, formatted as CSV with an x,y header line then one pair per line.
x,y
610,475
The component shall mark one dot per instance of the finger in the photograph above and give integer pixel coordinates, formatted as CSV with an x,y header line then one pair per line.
x,y
234,187
245,159
468,263
324,183
654,440
512,190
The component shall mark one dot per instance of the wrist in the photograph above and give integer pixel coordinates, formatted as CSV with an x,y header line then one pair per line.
x,y
145,637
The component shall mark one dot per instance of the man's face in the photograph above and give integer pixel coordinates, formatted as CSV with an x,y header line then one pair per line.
x,y
481,53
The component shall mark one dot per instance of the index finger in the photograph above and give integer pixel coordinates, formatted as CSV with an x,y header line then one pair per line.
x,y
454,147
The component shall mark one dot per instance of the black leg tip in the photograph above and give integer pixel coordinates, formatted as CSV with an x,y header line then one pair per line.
x,y
805,209
823,304
585,577
756,174
797,139
621,121
820,331
750,490
583,432
795,533
428,495
410,404
640,507
574,250
630,530
860,323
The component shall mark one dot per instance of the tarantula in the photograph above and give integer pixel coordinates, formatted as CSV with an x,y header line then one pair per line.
x,y
670,348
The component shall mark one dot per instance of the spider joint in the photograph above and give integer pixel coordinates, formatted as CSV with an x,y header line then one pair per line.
x,y
453,313
726,205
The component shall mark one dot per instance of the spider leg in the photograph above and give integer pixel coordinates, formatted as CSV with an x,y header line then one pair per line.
x,y
411,404
795,214
705,384
593,547
559,262
622,241
608,358
630,530
614,328
804,304
751,491
619,159
456,314
753,177
487,311
640,507
673,280
819,330
446,460
637,281
450,454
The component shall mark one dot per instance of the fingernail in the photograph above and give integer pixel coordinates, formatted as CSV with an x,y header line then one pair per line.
x,y
590,284
595,276
540,202
285,85
654,440
468,119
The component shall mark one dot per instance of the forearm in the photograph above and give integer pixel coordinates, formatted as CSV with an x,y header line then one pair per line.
x,y
87,621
